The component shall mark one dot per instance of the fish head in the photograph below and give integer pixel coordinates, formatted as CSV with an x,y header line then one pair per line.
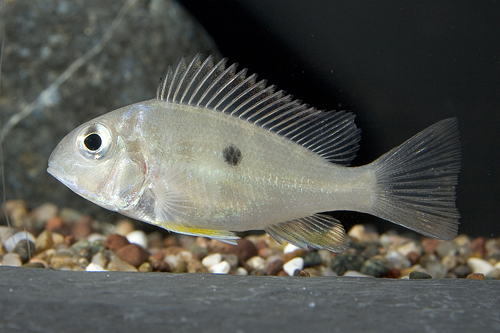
x,y
101,163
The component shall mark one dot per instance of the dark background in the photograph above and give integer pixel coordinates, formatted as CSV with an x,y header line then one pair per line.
x,y
399,66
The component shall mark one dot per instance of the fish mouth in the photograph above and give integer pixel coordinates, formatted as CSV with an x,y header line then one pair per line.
x,y
59,174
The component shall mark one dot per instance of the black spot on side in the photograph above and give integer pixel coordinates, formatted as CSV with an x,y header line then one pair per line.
x,y
232,155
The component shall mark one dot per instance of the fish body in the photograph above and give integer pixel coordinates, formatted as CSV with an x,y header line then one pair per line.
x,y
218,152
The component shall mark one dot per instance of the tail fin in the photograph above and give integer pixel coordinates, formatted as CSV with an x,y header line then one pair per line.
x,y
415,182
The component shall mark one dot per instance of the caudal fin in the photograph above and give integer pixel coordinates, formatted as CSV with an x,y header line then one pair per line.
x,y
415,182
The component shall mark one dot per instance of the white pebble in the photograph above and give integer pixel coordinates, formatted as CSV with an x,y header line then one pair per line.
x,y
479,266
291,266
212,259
289,248
95,268
356,274
256,262
12,241
12,259
171,260
221,268
95,237
411,246
241,271
138,237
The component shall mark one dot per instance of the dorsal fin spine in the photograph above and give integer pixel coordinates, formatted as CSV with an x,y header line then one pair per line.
x,y
215,84
220,66
240,76
249,80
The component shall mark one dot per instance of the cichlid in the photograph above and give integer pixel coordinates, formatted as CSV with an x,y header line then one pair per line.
x,y
218,151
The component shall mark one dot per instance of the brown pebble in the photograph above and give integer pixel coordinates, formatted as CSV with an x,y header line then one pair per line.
x,y
82,228
159,256
261,244
160,266
54,223
265,252
393,273
170,241
274,267
430,244
114,242
476,276
244,250
304,273
413,257
194,266
174,249
477,245
297,253
69,240
133,254
44,241
282,273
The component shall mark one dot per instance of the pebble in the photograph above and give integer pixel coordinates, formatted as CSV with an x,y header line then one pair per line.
x,y
256,262
63,262
244,250
374,267
461,271
43,213
356,274
12,259
138,237
221,268
6,233
312,258
115,241
292,265
133,254
119,265
273,267
99,260
436,269
289,248
346,262
494,274
446,248
124,227
476,276
397,260
411,246
362,233
212,259
241,271
44,241
94,268
232,259
83,227
194,266
479,266
449,261
145,267
416,275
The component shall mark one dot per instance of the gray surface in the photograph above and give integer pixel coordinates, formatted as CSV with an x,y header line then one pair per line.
x,y
58,301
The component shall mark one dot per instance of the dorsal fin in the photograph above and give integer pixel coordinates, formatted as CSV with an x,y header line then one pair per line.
x,y
211,85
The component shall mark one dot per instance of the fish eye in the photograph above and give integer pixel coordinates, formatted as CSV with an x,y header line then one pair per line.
x,y
94,141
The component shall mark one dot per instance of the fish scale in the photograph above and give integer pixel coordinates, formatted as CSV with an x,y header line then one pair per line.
x,y
218,151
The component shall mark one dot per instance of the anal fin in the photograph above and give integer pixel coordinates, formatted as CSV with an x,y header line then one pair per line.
x,y
312,232
220,235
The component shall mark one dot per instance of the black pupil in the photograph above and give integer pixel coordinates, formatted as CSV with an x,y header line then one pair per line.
x,y
93,142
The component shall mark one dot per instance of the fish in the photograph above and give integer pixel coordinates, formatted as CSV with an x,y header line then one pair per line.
x,y
219,152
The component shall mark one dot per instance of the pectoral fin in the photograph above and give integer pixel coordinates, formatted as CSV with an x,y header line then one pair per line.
x,y
316,231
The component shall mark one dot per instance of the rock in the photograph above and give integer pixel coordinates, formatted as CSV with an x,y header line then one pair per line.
x,y
194,266
25,249
494,274
312,258
83,227
436,269
161,266
363,233
411,246
302,273
44,241
15,209
416,275
273,267
63,262
241,271
145,267
115,242
477,245
10,243
54,223
346,262
479,266
12,259
446,248
38,262
221,268
69,214
397,260
212,259
449,261
94,268
294,264
461,271
430,244
6,233
119,265
356,274
34,265
370,250
462,240
185,255
413,257
124,227
232,259
289,248
133,254
256,262
138,237
99,259
374,267
476,276
244,250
